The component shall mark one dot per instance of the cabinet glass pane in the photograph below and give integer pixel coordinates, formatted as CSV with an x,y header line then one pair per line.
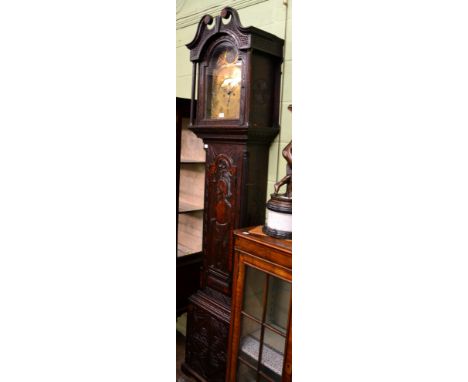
x,y
279,294
249,341
264,378
272,354
245,373
254,287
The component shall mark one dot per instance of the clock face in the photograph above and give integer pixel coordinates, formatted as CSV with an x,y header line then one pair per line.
x,y
224,84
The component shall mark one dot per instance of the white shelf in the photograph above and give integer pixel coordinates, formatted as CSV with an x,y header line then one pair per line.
x,y
191,192
185,251
190,233
189,160
187,206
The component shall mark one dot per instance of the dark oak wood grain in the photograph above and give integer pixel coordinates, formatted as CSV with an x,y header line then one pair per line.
x,y
236,172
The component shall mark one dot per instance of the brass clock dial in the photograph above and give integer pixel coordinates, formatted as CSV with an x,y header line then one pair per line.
x,y
225,85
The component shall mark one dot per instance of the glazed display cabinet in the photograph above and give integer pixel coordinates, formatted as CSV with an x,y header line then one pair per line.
x,y
260,336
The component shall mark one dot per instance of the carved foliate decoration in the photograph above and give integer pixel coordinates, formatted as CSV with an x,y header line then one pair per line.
x,y
222,172
222,178
206,348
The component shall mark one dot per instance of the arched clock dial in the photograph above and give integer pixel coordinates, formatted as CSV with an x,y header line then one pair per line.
x,y
224,83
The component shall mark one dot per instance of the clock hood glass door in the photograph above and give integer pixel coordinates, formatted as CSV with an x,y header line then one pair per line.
x,y
224,83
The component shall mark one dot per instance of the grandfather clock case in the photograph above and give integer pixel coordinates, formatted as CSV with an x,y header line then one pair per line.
x,y
236,82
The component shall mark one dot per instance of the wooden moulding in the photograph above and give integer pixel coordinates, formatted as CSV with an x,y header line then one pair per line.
x,y
271,249
190,233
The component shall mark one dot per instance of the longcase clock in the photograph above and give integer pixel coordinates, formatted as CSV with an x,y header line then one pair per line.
x,y
236,84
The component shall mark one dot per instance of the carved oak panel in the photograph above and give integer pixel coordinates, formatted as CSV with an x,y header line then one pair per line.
x,y
222,205
206,347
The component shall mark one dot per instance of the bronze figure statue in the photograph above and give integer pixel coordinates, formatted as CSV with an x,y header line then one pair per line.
x,y
287,179
278,219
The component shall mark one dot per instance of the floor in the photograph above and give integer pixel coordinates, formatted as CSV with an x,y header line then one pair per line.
x,y
180,354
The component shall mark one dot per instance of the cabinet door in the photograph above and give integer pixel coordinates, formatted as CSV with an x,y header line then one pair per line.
x,y
261,332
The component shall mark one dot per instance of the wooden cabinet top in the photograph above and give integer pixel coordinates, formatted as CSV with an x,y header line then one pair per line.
x,y
252,240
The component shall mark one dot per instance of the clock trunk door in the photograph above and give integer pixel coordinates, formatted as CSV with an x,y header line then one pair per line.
x,y
224,166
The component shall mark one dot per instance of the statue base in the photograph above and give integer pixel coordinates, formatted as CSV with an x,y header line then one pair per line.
x,y
278,221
